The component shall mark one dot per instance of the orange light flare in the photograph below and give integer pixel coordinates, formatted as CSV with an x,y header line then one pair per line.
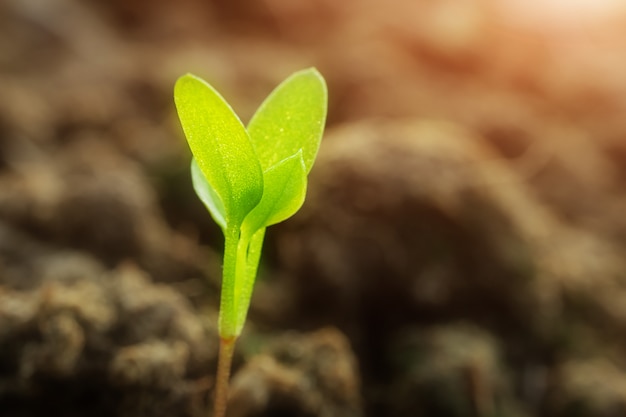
x,y
567,43
561,15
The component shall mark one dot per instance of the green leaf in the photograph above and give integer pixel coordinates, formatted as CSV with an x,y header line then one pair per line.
x,y
208,195
250,179
285,189
292,118
221,147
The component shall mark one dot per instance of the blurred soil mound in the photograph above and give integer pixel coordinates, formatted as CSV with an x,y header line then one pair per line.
x,y
300,375
464,232
423,222
77,339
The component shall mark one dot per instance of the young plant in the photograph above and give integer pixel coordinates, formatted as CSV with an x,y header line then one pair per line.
x,y
249,179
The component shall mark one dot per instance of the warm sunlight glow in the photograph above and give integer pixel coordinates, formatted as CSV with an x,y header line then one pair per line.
x,y
569,14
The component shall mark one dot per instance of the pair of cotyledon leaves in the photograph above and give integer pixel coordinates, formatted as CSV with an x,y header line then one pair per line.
x,y
250,178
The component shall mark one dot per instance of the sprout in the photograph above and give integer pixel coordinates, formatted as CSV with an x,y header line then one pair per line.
x,y
249,179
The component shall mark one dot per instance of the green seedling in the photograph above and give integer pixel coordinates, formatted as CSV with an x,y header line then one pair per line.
x,y
249,179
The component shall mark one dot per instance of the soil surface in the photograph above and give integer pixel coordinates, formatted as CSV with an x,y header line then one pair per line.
x,y
461,252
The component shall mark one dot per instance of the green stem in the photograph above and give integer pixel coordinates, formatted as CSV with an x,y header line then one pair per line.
x,y
241,259
234,270
225,359
240,281
227,316
253,255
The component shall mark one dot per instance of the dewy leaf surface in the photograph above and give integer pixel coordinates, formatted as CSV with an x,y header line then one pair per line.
x,y
208,195
285,190
220,145
290,119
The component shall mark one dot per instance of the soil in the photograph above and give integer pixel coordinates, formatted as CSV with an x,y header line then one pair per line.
x,y
461,249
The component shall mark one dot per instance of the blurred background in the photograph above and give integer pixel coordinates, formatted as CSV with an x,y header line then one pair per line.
x,y
460,252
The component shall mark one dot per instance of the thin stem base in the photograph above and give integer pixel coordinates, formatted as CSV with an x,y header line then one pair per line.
x,y
224,361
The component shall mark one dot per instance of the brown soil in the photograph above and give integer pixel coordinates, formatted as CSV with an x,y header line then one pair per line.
x,y
460,253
